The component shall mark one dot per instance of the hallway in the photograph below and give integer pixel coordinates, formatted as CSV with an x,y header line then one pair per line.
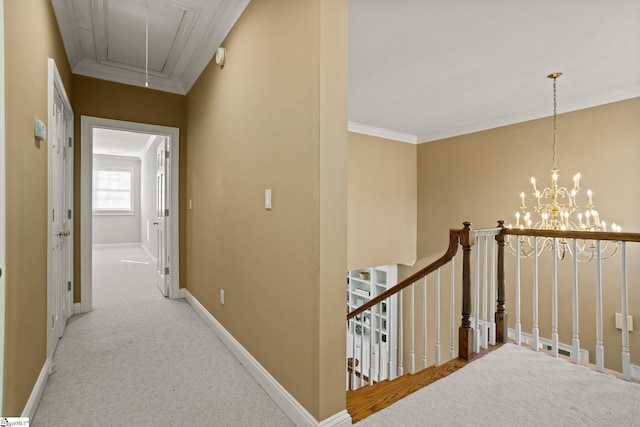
x,y
141,359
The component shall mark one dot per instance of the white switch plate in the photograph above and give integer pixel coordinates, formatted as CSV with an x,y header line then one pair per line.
x,y
222,296
267,199
619,321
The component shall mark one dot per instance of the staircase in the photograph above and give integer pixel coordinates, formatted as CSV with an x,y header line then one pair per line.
x,y
431,344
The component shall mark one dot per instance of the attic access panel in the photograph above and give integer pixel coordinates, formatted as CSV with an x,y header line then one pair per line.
x,y
125,32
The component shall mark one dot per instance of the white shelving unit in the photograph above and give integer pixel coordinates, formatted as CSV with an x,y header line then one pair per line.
x,y
373,337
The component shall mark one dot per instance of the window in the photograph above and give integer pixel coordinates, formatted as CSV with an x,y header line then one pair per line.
x,y
113,191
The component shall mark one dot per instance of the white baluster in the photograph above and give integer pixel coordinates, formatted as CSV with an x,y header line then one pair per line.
x,y
452,305
492,298
394,340
476,301
485,283
575,352
518,325
412,336
374,338
425,362
437,347
626,356
381,373
599,328
554,300
400,335
362,372
536,330
354,358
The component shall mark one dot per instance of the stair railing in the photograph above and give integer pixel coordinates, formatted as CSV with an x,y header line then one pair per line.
x,y
372,360
586,290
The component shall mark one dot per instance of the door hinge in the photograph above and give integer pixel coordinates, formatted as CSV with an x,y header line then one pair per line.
x,y
53,320
70,142
69,214
166,270
166,212
53,213
166,154
69,286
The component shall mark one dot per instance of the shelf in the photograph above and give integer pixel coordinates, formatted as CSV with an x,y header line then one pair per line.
x,y
362,292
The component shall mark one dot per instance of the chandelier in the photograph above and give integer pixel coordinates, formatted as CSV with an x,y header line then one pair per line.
x,y
557,209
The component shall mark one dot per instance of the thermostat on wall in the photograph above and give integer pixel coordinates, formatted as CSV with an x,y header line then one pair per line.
x,y
40,130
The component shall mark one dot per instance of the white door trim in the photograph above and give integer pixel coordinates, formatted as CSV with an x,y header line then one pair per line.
x,y
87,124
3,204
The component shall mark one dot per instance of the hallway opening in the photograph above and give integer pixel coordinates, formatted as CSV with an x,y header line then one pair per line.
x,y
129,198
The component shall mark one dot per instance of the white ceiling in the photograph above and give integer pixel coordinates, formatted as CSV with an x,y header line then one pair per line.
x,y
426,70
419,70
120,143
106,39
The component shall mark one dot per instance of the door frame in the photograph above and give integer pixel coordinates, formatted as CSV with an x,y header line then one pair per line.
x,y
55,84
87,124
3,204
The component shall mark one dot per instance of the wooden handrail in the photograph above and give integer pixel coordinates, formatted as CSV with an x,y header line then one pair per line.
x,y
572,234
454,240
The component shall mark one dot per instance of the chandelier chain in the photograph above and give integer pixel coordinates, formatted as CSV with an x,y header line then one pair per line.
x,y
555,131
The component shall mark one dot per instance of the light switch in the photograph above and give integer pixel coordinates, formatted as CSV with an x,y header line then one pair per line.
x,y
267,199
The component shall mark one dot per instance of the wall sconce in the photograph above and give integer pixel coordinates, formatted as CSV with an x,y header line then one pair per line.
x,y
221,56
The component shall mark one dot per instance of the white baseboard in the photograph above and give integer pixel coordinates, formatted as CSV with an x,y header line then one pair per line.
x,y
148,252
289,405
36,393
77,308
341,419
116,245
528,340
182,293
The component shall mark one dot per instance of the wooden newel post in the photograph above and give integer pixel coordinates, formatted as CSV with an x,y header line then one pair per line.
x,y
502,332
465,333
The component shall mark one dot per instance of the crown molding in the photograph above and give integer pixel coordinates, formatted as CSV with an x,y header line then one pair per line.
x,y
105,71
214,35
580,104
381,133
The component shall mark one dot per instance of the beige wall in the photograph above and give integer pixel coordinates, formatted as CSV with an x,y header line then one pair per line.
x,y
31,37
479,177
275,117
382,202
100,98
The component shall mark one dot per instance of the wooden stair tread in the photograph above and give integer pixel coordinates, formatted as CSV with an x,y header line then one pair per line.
x,y
370,399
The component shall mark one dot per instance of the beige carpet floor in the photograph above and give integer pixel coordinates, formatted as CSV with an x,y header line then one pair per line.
x,y
139,359
515,386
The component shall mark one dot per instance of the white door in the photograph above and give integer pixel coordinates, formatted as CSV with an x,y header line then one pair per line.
x,y
161,214
60,205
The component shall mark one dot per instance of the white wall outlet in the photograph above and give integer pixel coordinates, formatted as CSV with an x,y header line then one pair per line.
x,y
222,296
619,321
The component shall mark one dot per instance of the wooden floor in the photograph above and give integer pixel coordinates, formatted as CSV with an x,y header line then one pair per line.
x,y
370,399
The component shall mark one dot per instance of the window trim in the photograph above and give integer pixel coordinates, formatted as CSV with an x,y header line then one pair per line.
x,y
131,171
